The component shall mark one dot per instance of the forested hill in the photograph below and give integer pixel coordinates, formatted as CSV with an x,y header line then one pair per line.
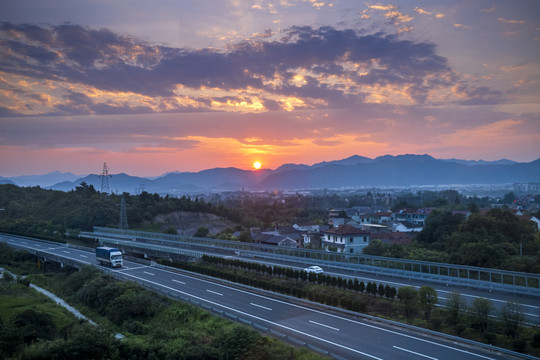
x,y
33,210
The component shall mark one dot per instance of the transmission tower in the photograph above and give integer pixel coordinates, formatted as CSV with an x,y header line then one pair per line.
x,y
123,223
105,179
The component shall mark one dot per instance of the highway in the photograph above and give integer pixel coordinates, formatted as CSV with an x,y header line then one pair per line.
x,y
339,335
530,304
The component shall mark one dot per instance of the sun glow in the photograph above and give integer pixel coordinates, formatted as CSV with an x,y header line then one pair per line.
x,y
257,164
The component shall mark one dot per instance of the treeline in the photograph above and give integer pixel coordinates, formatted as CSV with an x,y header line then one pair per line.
x,y
54,214
152,326
496,239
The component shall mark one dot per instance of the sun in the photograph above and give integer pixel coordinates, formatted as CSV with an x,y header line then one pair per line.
x,y
257,164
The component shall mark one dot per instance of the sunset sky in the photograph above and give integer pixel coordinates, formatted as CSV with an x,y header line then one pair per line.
x,y
167,85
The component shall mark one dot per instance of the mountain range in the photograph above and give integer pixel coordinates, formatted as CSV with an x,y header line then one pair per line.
x,y
353,172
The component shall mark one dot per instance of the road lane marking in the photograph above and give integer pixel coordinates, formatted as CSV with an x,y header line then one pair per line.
x,y
84,256
415,353
330,315
257,317
133,268
149,273
214,292
326,326
260,306
178,281
312,310
67,252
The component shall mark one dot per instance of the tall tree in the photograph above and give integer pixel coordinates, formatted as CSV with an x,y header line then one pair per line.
x,y
481,310
455,307
512,317
409,298
428,299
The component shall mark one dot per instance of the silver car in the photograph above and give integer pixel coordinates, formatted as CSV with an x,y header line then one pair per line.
x,y
314,269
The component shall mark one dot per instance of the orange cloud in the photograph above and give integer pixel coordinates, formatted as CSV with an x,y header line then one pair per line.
x,y
506,21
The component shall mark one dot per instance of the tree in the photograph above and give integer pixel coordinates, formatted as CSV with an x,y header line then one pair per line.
x,y
244,236
427,299
481,309
374,289
375,247
455,306
380,290
172,230
439,225
409,298
202,232
85,341
512,317
35,325
509,198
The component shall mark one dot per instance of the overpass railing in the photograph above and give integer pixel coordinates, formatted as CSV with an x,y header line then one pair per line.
x,y
451,274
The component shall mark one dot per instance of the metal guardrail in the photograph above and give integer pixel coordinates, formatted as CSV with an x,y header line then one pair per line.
x,y
451,274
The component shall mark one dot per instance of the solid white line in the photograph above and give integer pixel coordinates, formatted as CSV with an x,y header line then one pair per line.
x,y
214,292
133,268
415,353
326,326
149,273
262,307
258,318
178,281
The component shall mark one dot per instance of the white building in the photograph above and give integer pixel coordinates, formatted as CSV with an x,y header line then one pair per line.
x,y
346,239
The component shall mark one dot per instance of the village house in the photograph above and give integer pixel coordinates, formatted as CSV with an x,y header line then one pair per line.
x,y
406,226
381,217
345,239
415,216
277,240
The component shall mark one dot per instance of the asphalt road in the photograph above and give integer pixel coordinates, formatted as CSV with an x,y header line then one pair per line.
x,y
342,336
530,304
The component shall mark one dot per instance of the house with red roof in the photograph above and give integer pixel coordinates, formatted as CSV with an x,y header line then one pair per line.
x,y
345,239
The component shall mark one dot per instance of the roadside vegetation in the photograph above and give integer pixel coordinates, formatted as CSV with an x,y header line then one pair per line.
x,y
153,326
497,239
419,307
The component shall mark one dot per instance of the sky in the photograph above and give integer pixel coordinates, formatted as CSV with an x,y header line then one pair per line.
x,y
156,86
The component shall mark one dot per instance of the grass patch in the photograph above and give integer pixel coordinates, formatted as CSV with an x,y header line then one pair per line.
x,y
16,298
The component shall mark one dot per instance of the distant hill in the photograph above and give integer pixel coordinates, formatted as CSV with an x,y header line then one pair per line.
x,y
43,180
352,172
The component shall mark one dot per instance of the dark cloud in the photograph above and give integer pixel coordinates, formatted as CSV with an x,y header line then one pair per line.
x,y
107,61
480,95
